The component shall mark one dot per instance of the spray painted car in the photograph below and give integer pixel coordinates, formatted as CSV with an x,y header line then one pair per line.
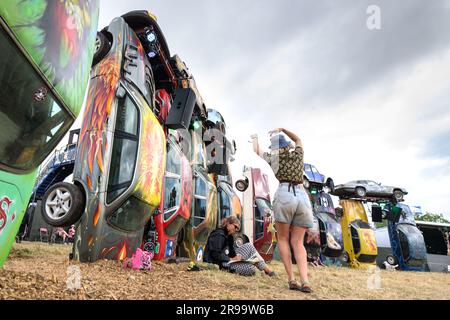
x,y
121,155
258,219
359,239
204,217
47,49
407,245
331,242
173,212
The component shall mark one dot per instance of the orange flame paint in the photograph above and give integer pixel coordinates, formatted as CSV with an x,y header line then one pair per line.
x,y
122,253
97,215
89,182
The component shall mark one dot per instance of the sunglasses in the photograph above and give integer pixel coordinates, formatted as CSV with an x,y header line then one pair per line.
x,y
236,227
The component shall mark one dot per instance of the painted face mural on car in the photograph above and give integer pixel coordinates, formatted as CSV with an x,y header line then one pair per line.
x,y
56,33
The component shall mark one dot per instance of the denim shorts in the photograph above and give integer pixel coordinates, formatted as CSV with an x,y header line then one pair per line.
x,y
293,208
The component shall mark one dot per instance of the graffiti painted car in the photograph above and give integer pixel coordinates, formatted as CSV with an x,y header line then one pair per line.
x,y
359,239
313,178
258,219
204,211
368,189
161,236
121,156
47,49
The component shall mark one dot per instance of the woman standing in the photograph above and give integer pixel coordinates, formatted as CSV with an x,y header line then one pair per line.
x,y
220,250
292,208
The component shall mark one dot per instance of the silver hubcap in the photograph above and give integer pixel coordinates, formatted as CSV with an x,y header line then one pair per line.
x,y
360,192
391,260
58,203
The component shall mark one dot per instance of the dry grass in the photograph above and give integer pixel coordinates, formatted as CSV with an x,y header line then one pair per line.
x,y
39,271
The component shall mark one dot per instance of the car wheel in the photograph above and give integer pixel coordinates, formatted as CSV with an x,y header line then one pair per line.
x,y
330,185
62,205
360,192
306,183
391,260
241,185
398,195
101,48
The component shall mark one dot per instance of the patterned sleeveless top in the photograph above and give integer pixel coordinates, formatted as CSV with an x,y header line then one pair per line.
x,y
287,166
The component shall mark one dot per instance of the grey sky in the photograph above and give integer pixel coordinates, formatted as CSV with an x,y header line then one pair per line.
x,y
367,104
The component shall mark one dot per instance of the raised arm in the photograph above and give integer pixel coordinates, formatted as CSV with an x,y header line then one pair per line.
x,y
256,147
291,135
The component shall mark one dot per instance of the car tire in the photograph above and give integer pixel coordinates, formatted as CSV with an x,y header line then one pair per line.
x,y
306,183
62,205
360,192
241,185
391,260
330,185
101,48
398,195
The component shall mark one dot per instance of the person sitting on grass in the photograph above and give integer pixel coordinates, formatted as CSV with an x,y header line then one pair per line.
x,y
60,232
244,260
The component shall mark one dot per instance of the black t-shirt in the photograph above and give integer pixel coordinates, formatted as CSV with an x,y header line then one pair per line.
x,y
219,247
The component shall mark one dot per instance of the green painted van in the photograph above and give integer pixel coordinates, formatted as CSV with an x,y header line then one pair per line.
x,y
46,49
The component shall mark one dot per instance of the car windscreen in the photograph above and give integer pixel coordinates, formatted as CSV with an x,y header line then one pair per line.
x,y
32,122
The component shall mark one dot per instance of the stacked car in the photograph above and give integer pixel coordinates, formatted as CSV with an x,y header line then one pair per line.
x,y
406,248
151,159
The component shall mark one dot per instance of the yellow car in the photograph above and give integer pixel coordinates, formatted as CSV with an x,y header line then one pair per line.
x,y
359,239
